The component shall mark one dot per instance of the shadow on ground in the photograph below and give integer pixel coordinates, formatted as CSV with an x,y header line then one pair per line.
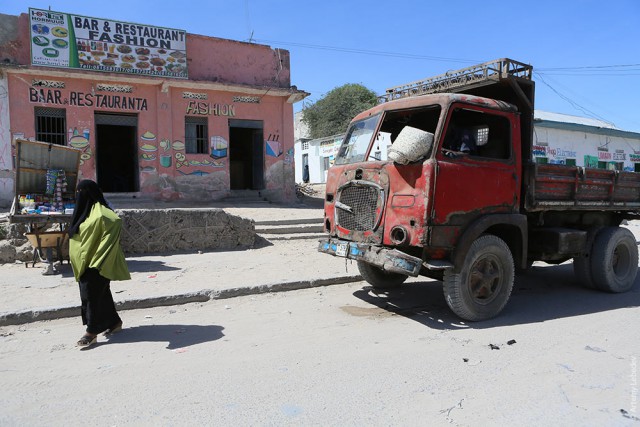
x,y
542,294
176,336
147,266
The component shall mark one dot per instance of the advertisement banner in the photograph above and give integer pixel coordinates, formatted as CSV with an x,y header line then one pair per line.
x,y
73,41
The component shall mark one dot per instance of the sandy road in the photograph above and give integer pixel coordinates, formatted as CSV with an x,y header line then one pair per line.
x,y
340,355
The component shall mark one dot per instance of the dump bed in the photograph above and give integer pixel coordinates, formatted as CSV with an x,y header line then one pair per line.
x,y
561,187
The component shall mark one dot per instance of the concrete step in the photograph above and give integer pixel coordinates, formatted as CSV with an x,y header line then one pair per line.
x,y
289,229
296,221
293,236
244,195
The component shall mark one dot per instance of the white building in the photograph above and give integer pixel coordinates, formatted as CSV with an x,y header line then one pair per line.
x,y
571,140
558,139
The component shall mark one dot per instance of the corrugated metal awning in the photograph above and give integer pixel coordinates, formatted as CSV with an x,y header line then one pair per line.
x,y
33,160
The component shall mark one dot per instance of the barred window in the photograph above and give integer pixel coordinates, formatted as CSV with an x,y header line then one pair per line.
x,y
51,124
305,145
196,135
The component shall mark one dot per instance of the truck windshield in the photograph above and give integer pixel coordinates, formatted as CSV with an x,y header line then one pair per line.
x,y
356,141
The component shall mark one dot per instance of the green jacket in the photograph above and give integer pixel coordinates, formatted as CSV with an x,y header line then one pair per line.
x,y
97,245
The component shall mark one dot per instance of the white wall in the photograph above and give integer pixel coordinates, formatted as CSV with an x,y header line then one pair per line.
x,y
558,145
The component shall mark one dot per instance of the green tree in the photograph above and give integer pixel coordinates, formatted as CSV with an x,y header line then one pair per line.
x,y
331,114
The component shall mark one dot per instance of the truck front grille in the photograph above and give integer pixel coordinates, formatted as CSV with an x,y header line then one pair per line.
x,y
363,201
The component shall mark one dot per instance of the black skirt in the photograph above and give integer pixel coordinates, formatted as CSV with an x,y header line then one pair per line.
x,y
98,309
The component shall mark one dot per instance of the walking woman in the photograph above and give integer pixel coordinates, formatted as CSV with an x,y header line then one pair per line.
x,y
96,257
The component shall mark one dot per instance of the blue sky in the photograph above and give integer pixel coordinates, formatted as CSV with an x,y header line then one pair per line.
x,y
586,54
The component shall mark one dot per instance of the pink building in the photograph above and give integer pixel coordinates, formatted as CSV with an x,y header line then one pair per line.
x,y
157,112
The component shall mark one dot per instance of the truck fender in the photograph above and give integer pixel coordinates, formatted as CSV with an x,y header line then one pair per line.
x,y
512,228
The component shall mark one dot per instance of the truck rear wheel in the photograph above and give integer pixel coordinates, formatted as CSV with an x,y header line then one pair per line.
x,y
582,271
378,278
582,264
481,288
614,260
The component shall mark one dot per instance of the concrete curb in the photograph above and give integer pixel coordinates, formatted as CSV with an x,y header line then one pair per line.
x,y
51,313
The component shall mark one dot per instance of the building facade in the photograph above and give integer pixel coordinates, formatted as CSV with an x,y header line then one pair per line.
x,y
157,112
580,141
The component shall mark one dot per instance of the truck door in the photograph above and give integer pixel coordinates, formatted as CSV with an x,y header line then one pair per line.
x,y
476,169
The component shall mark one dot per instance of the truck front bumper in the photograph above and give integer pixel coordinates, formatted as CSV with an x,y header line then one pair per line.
x,y
391,260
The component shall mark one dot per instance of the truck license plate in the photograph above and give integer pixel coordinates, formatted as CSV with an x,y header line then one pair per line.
x,y
341,249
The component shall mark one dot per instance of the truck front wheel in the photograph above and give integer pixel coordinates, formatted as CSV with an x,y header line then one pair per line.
x,y
614,260
378,278
481,288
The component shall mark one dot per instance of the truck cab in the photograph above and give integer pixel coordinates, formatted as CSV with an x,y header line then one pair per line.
x,y
421,207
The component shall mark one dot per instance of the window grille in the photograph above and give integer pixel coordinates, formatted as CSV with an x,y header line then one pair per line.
x,y
51,124
196,135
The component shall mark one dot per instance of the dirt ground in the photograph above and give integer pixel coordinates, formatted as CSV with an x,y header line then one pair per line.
x,y
342,355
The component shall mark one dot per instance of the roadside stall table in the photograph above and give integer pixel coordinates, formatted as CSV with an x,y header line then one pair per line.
x,y
45,185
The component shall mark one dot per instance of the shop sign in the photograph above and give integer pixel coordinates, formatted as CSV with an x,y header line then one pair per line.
x,y
635,158
539,151
328,150
208,109
73,41
603,155
87,99
619,155
561,153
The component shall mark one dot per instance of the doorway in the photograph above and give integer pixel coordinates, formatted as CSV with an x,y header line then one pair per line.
x,y
246,155
117,153
305,168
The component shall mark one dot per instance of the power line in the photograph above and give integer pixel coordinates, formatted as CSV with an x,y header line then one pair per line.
x,y
370,52
570,101
578,70
247,18
593,74
588,67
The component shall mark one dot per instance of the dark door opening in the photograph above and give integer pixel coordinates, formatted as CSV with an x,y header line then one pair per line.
x,y
117,153
305,168
246,155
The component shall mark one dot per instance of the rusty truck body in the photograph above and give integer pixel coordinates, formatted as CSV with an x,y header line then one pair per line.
x,y
474,214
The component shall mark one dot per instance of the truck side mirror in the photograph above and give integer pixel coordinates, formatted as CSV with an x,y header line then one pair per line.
x,y
411,145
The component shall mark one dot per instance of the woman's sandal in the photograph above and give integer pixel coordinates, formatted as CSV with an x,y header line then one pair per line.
x,y
87,340
112,330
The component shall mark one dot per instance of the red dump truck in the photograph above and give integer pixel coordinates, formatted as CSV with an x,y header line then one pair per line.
x,y
460,199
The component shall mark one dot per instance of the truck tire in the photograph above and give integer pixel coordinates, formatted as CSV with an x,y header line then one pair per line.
x,y
378,278
481,288
614,260
582,264
582,271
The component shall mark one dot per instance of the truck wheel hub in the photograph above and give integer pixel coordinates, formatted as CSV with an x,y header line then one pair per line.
x,y
485,279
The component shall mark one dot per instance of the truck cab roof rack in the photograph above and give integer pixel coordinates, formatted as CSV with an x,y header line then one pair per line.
x,y
462,80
